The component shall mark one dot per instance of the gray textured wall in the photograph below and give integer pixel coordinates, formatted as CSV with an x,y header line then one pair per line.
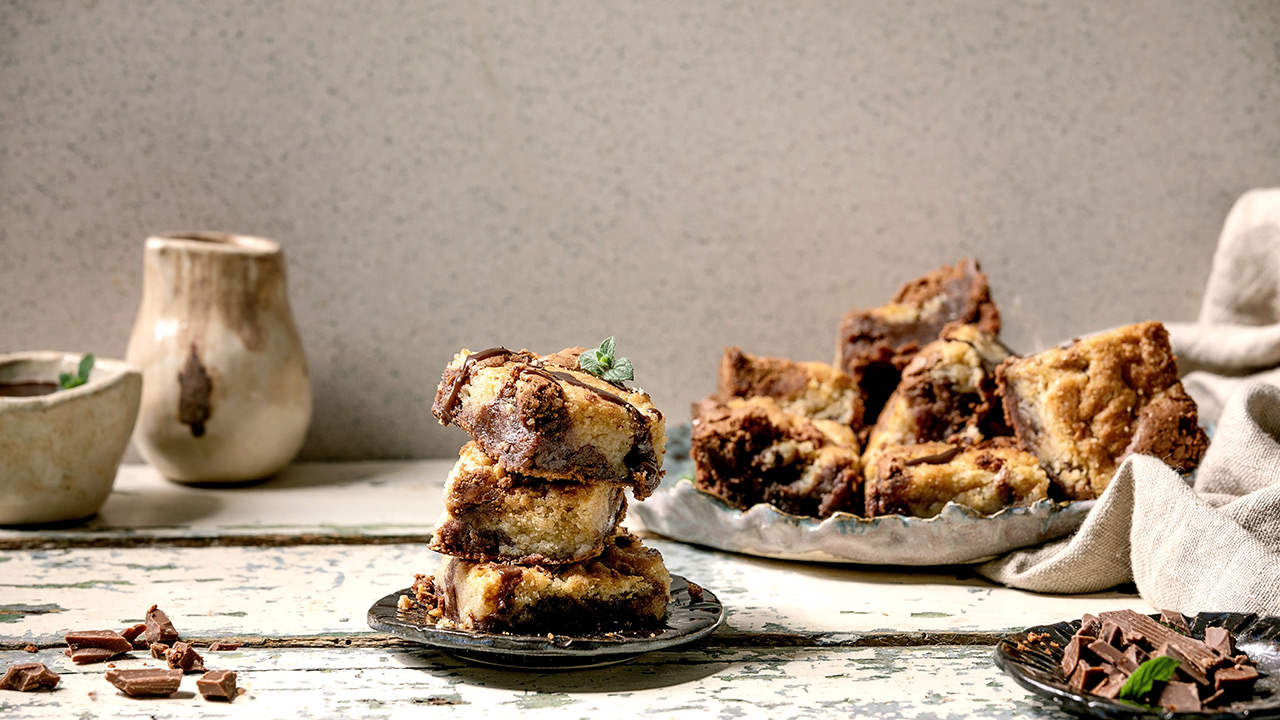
x,y
682,175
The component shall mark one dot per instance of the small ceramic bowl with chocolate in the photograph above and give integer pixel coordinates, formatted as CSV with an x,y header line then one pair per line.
x,y
61,448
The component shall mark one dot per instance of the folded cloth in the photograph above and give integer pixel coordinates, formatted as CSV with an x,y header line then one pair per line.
x,y
1214,546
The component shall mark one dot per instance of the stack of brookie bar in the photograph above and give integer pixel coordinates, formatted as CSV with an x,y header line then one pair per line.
x,y
926,406
530,527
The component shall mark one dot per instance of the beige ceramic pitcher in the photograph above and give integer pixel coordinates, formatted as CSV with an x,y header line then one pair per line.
x,y
225,394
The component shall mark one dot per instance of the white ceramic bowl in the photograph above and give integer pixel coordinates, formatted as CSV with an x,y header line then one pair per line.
x,y
59,452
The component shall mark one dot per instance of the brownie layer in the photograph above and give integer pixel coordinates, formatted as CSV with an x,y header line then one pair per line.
x,y
749,451
544,417
813,389
875,345
918,480
947,393
1081,409
627,585
491,514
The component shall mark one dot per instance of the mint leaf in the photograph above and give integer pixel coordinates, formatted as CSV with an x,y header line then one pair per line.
x,y
620,371
67,381
1145,677
590,362
601,363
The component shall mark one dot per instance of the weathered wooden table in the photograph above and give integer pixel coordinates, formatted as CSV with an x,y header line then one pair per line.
x,y
289,569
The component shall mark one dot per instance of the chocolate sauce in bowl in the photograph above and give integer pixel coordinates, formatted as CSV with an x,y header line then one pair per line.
x,y
28,389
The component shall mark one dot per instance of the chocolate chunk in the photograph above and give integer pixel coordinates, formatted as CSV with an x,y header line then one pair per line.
x,y
158,650
1135,655
1086,677
29,677
1180,697
1112,655
91,646
1219,639
218,685
159,629
1175,620
134,636
221,646
1111,634
31,648
145,682
1234,680
1110,687
1189,649
1071,655
1186,667
1090,625
185,658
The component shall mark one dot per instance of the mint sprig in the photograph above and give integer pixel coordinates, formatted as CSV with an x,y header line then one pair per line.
x,y
68,381
1144,678
601,363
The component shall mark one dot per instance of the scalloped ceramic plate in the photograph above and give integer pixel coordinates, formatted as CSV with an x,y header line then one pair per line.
x,y
958,535
687,620
1035,666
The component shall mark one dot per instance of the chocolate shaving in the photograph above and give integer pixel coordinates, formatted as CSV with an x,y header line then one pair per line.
x,y
145,682
29,677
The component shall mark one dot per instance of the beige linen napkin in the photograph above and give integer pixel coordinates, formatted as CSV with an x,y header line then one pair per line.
x,y
1214,547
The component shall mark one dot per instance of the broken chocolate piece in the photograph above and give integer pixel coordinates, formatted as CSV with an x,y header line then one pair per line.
x,y
1235,680
1087,677
1112,655
145,682
1071,655
158,650
1219,639
29,677
218,685
134,636
159,628
1180,697
184,657
1193,651
1089,625
1175,620
221,646
91,646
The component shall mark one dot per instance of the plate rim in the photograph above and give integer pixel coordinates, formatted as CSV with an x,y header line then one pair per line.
x,y
479,646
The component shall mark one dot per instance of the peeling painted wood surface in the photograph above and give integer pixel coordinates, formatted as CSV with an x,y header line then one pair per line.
x,y
290,568
327,590
926,682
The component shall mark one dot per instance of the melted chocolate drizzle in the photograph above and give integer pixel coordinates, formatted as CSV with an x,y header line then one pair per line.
x,y
461,378
943,457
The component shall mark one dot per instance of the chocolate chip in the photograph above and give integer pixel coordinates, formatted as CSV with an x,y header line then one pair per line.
x,y
91,646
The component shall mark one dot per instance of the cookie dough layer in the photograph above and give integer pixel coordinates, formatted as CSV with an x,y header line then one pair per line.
x,y
918,480
947,393
625,586
544,417
749,451
491,514
875,345
813,389
1084,407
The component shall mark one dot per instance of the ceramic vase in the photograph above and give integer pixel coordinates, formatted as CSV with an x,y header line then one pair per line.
x,y
225,395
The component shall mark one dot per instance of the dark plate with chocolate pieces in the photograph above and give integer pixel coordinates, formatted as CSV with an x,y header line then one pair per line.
x,y
1034,658
690,617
